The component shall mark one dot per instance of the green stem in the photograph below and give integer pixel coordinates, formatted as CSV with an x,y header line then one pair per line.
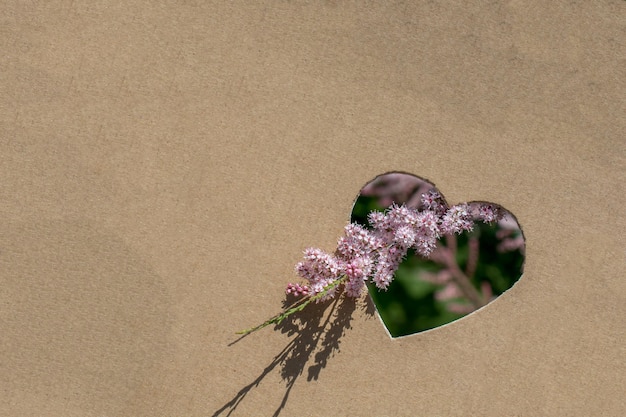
x,y
298,306
460,279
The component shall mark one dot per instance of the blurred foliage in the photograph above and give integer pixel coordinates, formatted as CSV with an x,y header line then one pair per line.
x,y
410,304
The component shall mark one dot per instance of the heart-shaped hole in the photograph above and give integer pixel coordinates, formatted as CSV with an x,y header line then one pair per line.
x,y
464,273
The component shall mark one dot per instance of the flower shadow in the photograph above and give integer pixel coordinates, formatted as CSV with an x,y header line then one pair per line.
x,y
315,337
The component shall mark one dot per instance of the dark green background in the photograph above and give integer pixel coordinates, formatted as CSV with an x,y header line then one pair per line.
x,y
409,305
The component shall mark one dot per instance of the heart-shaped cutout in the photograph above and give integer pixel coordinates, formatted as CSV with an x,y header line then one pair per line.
x,y
403,239
463,274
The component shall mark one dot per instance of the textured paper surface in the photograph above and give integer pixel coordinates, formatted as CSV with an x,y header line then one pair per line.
x,y
164,164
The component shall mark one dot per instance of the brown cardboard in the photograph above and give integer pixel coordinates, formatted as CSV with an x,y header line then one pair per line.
x,y
164,164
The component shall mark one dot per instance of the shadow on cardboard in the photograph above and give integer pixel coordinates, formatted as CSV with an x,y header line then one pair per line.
x,y
316,333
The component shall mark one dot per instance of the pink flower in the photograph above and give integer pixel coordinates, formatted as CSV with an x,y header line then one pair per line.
x,y
319,268
377,220
488,213
429,232
405,236
374,254
457,220
433,201
388,261
357,242
297,289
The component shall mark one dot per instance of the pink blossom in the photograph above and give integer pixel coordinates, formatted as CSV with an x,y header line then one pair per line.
x,y
357,271
428,233
457,220
405,236
488,213
377,220
357,242
319,268
373,255
433,201
297,289
388,261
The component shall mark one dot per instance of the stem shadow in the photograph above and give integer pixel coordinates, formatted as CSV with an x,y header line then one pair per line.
x,y
316,336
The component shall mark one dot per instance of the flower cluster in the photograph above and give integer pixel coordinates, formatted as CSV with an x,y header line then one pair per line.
x,y
373,255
